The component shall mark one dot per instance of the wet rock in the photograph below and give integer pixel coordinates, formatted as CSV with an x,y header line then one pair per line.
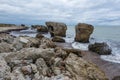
x,y
40,28
5,47
83,32
100,48
58,39
39,36
42,67
57,29
83,70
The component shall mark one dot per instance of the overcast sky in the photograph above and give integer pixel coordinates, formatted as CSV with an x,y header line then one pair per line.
x,y
99,12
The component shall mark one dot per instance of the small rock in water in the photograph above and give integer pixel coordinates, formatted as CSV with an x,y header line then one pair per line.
x,y
100,48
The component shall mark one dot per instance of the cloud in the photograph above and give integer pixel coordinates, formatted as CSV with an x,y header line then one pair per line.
x,y
68,11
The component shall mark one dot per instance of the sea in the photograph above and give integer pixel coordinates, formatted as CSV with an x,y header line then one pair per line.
x,y
108,34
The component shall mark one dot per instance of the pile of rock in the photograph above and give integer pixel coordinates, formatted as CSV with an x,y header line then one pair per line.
x,y
45,62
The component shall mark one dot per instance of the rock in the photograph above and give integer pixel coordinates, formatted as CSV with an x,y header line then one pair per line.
x,y
27,70
4,69
7,25
40,28
61,53
31,54
75,51
34,68
57,29
83,70
17,74
5,47
47,43
100,48
83,32
42,67
4,37
58,39
39,36
116,78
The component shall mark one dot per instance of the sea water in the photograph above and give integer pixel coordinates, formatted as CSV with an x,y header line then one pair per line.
x,y
108,34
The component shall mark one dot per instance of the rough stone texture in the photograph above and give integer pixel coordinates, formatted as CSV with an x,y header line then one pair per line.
x,y
4,69
40,28
83,32
31,53
57,29
42,67
82,70
100,48
58,39
47,43
39,36
5,47
4,37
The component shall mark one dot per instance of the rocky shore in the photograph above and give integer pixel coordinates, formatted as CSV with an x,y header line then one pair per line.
x,y
11,27
41,58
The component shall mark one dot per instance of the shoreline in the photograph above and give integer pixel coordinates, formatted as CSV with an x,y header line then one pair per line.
x,y
11,28
111,69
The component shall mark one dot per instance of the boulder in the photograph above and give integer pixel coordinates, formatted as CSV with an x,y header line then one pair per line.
x,y
47,43
57,29
100,48
4,37
40,28
4,69
39,36
83,32
5,47
31,54
42,67
83,70
58,39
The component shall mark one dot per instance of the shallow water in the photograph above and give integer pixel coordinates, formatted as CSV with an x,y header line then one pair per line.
x,y
108,34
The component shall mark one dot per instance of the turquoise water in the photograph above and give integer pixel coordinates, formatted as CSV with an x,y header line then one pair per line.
x,y
108,34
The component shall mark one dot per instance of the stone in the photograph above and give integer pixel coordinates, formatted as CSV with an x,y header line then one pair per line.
x,y
34,68
83,70
42,67
5,47
83,32
100,48
4,69
17,74
40,28
39,36
4,37
57,29
58,39
47,43
27,70
31,54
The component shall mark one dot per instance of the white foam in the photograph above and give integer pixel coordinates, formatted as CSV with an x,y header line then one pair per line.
x,y
82,46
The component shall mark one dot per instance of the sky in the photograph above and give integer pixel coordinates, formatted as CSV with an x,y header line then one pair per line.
x,y
97,12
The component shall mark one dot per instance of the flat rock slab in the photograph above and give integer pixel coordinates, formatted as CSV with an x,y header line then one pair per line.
x,y
12,28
